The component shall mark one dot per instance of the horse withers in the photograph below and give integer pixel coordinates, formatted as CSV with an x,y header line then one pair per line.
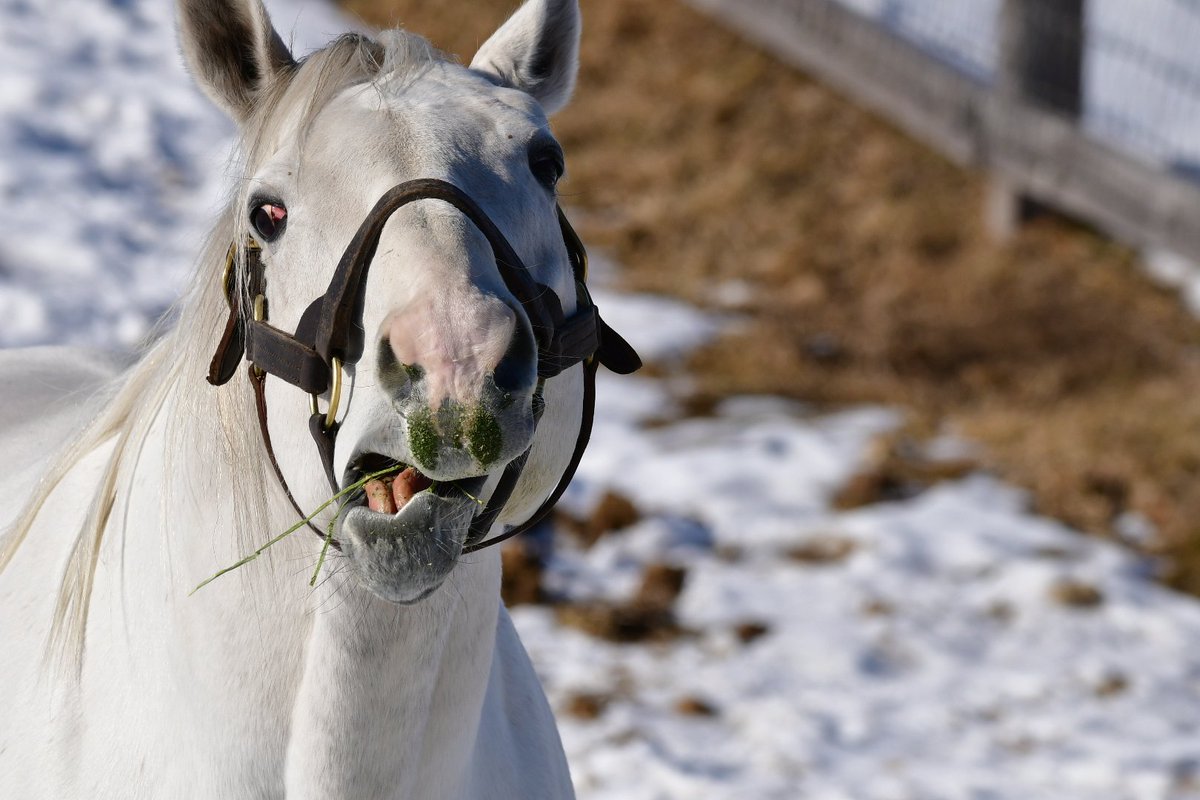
x,y
402,291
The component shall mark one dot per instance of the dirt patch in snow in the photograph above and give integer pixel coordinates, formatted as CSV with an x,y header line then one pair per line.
x,y
647,616
613,512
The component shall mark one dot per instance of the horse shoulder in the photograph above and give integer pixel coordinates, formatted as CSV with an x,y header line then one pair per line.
x,y
46,396
518,750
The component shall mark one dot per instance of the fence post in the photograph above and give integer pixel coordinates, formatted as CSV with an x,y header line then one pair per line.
x,y
1040,63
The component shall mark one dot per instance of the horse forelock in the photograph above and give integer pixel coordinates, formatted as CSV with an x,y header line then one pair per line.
x,y
393,58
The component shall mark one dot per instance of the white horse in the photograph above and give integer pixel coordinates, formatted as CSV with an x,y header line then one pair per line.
x,y
400,675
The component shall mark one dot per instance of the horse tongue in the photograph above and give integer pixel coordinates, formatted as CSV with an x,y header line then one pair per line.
x,y
407,484
379,497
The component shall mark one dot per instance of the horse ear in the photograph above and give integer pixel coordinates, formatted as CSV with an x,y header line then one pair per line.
x,y
232,51
536,51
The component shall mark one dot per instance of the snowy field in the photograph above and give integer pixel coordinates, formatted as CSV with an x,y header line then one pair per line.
x,y
951,646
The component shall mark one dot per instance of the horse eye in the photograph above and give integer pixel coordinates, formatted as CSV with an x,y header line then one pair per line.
x,y
268,220
547,166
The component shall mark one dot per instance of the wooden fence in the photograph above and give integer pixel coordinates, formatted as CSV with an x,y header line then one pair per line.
x,y
1023,127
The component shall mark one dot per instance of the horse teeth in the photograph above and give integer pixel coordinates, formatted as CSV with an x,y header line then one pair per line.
x,y
379,497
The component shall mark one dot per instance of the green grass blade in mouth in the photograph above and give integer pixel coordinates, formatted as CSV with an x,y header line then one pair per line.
x,y
472,497
329,537
324,550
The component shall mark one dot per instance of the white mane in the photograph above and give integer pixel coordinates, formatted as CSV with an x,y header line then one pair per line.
x,y
214,426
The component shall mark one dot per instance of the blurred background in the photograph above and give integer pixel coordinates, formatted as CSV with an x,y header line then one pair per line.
x,y
905,504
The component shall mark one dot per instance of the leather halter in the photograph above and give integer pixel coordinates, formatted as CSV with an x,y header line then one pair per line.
x,y
330,336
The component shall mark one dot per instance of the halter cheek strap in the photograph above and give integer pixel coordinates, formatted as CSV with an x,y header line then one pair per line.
x,y
330,335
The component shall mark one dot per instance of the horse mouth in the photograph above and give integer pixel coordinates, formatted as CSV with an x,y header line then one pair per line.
x,y
402,531
391,485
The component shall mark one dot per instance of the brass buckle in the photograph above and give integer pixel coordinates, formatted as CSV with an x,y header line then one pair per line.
x,y
227,274
227,282
335,397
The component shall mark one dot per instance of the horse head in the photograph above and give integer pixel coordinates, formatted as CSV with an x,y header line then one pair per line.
x,y
398,233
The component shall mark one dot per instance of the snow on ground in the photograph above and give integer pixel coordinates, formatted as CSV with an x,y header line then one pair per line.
x,y
909,651
112,166
927,657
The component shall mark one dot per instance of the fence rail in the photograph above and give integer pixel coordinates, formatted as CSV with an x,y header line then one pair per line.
x,y
1031,147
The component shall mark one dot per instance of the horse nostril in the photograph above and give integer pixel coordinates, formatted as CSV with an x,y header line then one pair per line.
x,y
517,370
396,379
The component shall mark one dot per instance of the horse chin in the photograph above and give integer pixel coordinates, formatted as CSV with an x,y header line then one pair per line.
x,y
404,557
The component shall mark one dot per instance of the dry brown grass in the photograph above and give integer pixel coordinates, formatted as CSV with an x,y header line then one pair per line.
x,y
706,167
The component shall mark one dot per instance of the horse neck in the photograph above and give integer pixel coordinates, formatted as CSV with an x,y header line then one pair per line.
x,y
392,697
358,694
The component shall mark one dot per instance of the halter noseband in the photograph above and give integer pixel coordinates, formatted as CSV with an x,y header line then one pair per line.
x,y
330,336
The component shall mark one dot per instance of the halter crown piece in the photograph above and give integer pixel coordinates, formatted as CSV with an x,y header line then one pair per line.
x,y
330,336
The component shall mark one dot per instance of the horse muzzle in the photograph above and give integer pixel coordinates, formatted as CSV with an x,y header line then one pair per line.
x,y
404,554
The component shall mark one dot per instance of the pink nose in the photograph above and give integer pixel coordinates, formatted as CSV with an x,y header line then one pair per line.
x,y
457,344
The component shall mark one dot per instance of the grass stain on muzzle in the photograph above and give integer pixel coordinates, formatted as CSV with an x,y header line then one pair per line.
x,y
478,432
485,440
423,439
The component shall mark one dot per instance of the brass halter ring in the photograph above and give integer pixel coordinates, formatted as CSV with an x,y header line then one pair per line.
x,y
335,396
